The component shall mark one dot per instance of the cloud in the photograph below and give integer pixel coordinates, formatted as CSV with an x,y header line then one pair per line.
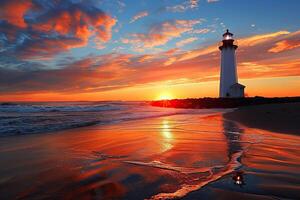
x,y
114,71
161,33
256,39
79,20
171,51
57,25
176,8
284,45
200,31
292,41
191,4
45,48
186,41
13,11
139,16
212,1
79,75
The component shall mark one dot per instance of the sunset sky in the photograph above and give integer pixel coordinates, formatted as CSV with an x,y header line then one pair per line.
x,y
144,49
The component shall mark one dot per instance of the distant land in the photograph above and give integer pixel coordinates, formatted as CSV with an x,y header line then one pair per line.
x,y
207,102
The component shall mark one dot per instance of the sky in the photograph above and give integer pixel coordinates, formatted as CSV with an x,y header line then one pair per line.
x,y
70,50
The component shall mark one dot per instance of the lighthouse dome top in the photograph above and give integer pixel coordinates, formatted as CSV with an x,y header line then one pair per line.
x,y
227,35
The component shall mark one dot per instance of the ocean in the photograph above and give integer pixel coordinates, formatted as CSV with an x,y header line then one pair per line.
x,y
44,117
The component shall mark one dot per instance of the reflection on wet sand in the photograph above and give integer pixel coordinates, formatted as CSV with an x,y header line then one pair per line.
x,y
238,178
233,134
158,158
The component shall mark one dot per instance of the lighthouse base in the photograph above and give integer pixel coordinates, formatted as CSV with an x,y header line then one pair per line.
x,y
235,91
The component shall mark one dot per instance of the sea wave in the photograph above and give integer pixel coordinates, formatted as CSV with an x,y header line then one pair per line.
x,y
44,108
26,118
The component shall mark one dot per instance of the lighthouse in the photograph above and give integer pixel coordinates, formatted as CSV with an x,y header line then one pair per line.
x,y
229,86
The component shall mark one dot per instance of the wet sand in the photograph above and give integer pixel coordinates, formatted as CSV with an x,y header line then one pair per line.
x,y
179,156
281,118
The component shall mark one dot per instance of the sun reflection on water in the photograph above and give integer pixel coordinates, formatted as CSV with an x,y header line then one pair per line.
x,y
167,135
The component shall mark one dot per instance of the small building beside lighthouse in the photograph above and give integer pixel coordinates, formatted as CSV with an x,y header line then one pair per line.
x,y
229,86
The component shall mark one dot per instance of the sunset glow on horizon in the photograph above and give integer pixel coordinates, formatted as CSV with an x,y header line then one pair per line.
x,y
165,96
75,50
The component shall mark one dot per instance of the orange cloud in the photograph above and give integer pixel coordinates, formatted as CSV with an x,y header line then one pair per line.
x,y
14,11
161,33
171,51
284,45
49,30
145,58
257,39
82,25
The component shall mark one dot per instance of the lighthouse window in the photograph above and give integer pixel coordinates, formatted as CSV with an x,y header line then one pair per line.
x,y
227,37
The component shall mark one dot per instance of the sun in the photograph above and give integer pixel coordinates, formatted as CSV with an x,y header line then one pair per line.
x,y
165,96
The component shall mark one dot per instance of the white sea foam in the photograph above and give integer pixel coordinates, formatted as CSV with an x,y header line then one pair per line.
x,y
186,188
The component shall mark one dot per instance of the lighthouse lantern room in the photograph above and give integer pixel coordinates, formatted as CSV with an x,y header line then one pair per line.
x,y
229,86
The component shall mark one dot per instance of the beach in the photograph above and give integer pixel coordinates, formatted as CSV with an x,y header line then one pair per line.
x,y
180,155
282,118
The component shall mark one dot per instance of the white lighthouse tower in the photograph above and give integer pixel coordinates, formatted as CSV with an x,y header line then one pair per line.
x,y
229,86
